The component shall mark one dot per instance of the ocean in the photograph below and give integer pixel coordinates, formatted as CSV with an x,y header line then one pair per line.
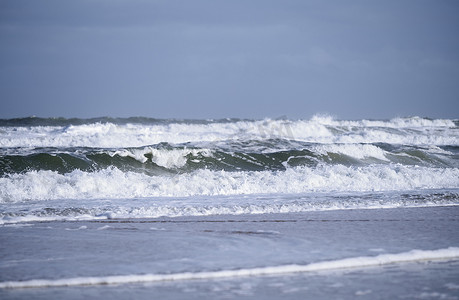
x,y
229,208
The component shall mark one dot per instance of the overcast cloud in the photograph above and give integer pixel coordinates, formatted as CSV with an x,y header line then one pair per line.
x,y
215,59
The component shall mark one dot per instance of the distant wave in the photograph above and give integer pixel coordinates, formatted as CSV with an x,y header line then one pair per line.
x,y
37,121
117,134
451,253
320,119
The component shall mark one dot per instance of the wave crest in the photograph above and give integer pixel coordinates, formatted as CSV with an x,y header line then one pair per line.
x,y
114,183
408,131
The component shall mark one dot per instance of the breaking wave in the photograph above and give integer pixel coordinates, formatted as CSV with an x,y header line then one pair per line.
x,y
115,183
74,161
248,156
447,254
137,132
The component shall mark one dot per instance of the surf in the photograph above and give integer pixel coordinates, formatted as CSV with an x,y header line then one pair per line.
x,y
447,254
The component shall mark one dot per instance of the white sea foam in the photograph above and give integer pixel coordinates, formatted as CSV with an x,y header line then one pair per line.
x,y
173,158
411,122
96,209
451,253
113,183
253,209
359,151
412,131
43,218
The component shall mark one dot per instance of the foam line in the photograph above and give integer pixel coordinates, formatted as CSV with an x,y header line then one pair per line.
x,y
322,129
115,184
355,262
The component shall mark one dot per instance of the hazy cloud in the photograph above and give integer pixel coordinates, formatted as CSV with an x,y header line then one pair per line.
x,y
211,59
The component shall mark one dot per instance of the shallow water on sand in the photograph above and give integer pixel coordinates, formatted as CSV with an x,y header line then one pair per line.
x,y
64,250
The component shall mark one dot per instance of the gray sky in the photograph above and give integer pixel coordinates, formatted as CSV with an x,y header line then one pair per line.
x,y
216,59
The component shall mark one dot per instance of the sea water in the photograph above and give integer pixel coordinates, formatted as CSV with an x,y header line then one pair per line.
x,y
229,208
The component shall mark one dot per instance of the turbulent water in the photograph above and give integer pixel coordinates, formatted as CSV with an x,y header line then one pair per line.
x,y
141,167
204,209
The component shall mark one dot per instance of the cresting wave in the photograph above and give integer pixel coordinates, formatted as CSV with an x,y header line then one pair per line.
x,y
250,156
451,253
114,183
115,133
106,158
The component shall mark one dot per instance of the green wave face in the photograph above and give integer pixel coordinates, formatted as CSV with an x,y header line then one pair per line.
x,y
238,156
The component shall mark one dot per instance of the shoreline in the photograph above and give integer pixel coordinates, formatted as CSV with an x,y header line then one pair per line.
x,y
210,250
